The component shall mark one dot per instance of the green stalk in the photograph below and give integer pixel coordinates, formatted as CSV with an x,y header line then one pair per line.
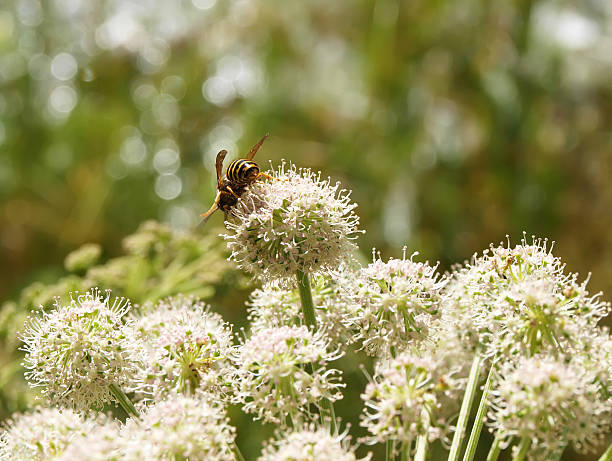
x,y
123,400
306,298
389,450
470,451
607,456
310,320
239,456
522,449
495,449
466,406
421,442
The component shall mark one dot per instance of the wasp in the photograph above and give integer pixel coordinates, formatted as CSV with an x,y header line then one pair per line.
x,y
239,175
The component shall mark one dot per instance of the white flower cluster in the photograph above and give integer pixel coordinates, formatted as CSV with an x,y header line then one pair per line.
x,y
102,443
44,433
77,352
415,393
393,303
181,427
183,347
309,444
282,371
539,325
512,313
518,301
297,222
551,402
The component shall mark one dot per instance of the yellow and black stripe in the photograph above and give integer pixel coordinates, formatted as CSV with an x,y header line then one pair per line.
x,y
242,171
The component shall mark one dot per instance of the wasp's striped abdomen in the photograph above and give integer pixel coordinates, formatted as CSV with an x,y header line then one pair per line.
x,y
242,171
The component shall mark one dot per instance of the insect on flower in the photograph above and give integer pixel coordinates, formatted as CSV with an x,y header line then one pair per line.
x,y
239,175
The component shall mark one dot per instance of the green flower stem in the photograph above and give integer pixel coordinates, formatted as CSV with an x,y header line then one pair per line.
x,y
306,298
421,443
466,406
470,451
522,449
123,400
495,449
310,320
238,453
607,456
389,450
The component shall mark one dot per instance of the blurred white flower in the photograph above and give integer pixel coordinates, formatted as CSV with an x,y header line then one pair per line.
x,y
297,222
102,443
76,352
309,444
179,427
282,372
44,434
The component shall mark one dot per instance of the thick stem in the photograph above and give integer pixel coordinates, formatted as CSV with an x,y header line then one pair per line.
x,y
607,456
495,449
389,450
421,442
123,400
238,453
470,451
466,406
522,449
310,320
306,298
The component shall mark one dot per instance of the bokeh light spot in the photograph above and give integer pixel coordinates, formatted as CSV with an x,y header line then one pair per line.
x,y
168,186
62,100
64,66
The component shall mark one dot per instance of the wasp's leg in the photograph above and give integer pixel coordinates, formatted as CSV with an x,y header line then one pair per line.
x,y
232,192
267,176
256,147
212,209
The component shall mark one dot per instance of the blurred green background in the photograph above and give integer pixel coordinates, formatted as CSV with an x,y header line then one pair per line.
x,y
454,123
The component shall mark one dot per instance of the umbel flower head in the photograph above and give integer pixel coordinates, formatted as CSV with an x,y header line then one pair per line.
x,y
282,371
297,222
78,351
519,301
393,303
552,402
415,393
179,427
309,444
43,434
183,348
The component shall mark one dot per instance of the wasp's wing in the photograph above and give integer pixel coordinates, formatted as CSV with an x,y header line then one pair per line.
x,y
256,147
219,165
211,210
